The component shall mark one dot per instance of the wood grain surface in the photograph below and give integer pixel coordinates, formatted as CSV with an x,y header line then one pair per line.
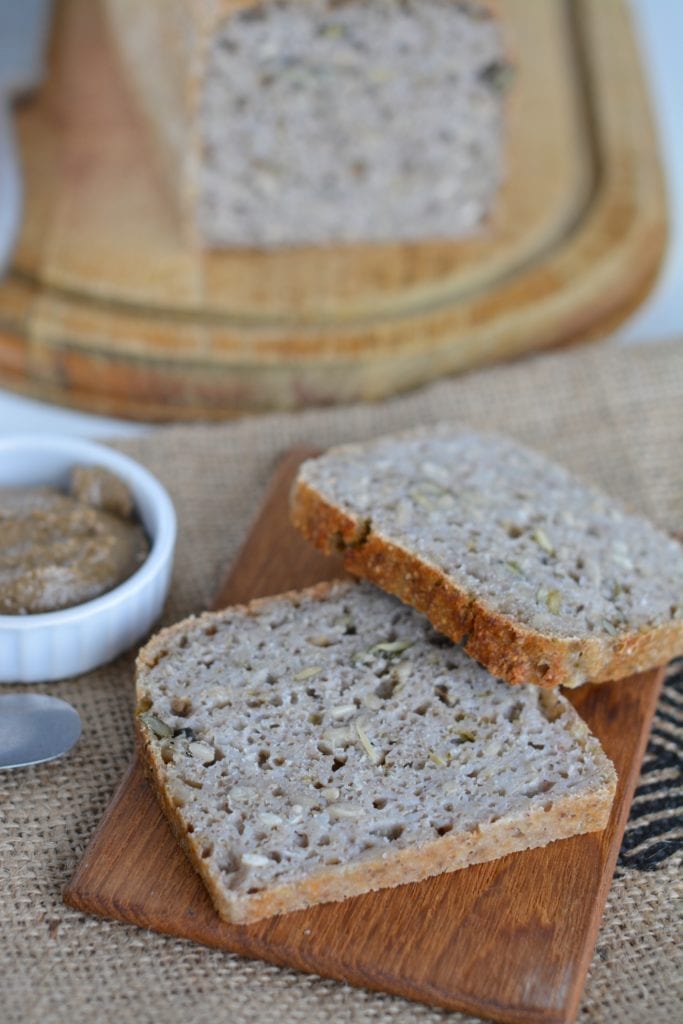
x,y
510,940
109,308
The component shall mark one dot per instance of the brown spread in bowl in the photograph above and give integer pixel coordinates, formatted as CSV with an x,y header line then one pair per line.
x,y
58,550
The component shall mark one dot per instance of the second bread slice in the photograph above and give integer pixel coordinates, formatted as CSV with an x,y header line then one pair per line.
x,y
542,578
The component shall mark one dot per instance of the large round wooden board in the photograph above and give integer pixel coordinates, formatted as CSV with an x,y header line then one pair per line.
x,y
109,308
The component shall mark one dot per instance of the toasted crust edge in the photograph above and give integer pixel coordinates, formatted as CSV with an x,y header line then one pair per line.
x,y
570,816
574,815
508,649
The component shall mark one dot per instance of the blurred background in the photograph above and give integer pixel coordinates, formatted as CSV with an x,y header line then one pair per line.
x,y
99,338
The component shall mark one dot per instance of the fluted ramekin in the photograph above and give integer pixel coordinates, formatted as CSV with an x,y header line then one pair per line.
x,y
56,645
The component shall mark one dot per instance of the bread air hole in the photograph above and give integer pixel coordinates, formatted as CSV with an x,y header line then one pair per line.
x,y
513,713
421,709
301,840
544,786
391,832
438,640
339,762
275,855
385,690
181,706
380,803
230,864
442,830
154,661
207,850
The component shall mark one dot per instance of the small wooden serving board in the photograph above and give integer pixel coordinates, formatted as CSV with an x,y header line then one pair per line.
x,y
510,940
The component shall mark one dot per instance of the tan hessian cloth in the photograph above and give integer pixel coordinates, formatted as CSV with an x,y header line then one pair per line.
x,y
613,415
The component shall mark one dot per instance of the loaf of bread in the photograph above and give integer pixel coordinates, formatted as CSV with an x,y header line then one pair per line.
x,y
543,579
317,745
298,122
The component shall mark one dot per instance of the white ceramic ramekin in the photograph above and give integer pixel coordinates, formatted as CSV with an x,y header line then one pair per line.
x,y
55,645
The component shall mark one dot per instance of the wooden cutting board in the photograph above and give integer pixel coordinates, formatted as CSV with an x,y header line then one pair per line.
x,y
510,940
109,308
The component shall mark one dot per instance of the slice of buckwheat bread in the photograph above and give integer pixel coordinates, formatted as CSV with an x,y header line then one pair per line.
x,y
542,578
317,745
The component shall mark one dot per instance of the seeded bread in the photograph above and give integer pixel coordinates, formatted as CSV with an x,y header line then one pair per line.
x,y
543,579
287,122
321,744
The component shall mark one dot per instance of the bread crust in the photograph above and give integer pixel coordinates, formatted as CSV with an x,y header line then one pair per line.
x,y
508,649
560,818
570,816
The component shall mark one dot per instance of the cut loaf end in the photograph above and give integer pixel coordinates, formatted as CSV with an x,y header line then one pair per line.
x,y
321,122
285,123
322,744
543,579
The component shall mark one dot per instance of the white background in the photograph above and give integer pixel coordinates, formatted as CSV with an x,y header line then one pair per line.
x,y
659,25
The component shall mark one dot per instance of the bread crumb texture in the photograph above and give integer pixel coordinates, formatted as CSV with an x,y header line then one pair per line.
x,y
322,121
512,534
317,745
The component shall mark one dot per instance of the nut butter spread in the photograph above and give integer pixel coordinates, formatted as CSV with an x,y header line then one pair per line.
x,y
59,550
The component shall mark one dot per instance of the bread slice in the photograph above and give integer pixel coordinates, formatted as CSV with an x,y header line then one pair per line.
x,y
316,745
299,122
543,579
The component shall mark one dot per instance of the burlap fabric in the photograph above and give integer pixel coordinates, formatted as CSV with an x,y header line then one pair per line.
x,y
616,417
